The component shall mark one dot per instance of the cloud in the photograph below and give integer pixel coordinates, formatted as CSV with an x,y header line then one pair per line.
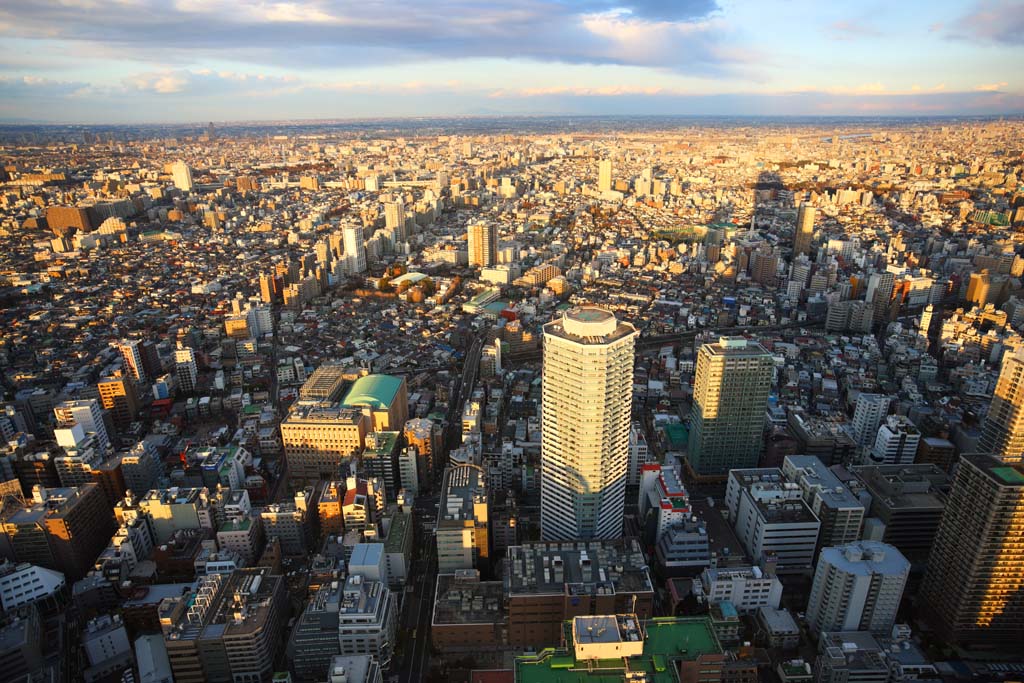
x,y
991,87
992,21
682,34
852,30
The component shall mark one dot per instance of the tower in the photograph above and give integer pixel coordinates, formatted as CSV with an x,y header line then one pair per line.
x,y
587,398
925,323
394,219
857,587
131,354
1003,431
355,250
604,175
730,397
867,417
804,230
483,244
182,176
973,588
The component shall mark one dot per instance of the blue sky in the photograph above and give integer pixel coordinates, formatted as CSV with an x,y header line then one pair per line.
x,y
123,61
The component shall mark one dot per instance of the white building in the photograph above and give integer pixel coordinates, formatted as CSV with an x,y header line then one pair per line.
x,y
857,587
89,415
637,453
897,441
747,588
586,407
25,583
463,520
186,369
367,619
355,249
868,416
182,176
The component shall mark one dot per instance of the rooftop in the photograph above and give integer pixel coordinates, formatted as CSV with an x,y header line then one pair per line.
x,y
577,567
462,598
376,391
464,486
667,640
589,325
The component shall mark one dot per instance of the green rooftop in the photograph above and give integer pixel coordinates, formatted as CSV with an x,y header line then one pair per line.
x,y
677,435
1009,474
668,640
376,391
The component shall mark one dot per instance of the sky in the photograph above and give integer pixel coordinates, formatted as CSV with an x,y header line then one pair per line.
x,y
177,61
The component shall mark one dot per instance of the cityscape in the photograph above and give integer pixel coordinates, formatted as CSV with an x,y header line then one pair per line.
x,y
555,395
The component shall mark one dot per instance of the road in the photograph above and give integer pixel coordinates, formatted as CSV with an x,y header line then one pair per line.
x,y
463,389
414,622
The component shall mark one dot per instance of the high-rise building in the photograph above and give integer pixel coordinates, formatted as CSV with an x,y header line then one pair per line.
x,y
730,399
804,230
88,414
925,324
463,520
896,442
117,395
879,294
604,175
974,585
182,176
587,398
482,244
857,587
185,368
318,439
868,415
1003,431
134,355
394,219
355,249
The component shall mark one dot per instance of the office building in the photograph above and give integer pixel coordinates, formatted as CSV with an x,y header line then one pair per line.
x,y
185,369
176,508
730,399
840,512
63,529
394,220
547,583
139,359
26,584
586,401
227,629
804,230
868,415
354,669
468,614
974,585
141,467
329,507
385,397
288,523
463,520
748,588
604,175
1003,431
482,242
318,439
907,503
771,518
857,587
896,442
118,397
181,174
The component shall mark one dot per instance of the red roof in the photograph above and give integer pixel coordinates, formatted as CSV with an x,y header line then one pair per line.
x,y
350,495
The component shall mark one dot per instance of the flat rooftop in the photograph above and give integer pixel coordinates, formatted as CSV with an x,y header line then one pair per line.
x,y
667,641
467,600
916,486
577,567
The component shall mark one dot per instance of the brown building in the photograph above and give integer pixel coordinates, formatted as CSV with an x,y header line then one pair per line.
x,y
329,508
117,395
725,667
468,613
549,583
63,219
64,529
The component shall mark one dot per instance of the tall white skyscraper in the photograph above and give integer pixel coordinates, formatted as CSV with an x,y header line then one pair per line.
x,y
185,368
586,405
604,175
867,417
182,176
355,250
857,587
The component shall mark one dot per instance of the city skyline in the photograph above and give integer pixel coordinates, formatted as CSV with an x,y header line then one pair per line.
x,y
82,62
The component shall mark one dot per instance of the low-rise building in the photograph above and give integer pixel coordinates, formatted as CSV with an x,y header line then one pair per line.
x,y
468,613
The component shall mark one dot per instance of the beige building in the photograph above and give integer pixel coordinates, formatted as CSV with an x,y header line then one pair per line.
x,y
587,396
1003,431
804,230
463,522
483,244
730,397
317,439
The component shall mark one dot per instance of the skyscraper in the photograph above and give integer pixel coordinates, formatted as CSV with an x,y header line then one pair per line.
x,y
355,249
604,175
483,244
118,396
394,219
88,415
131,354
868,414
1003,431
804,230
587,398
730,397
974,585
182,176
857,587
